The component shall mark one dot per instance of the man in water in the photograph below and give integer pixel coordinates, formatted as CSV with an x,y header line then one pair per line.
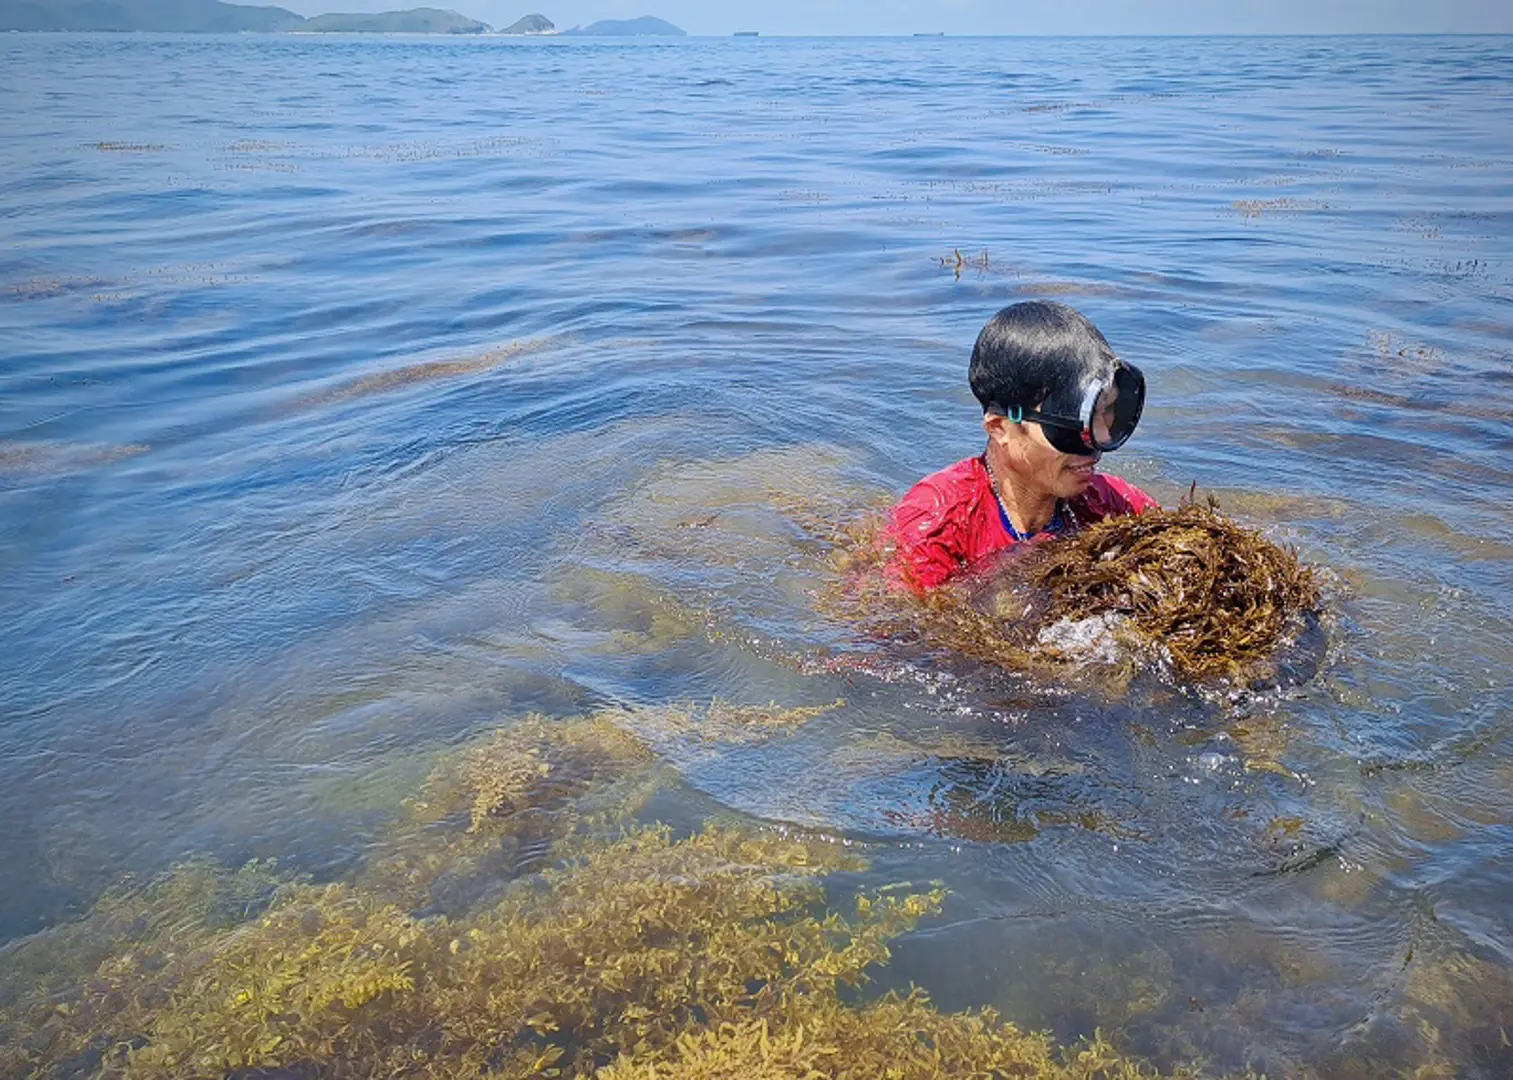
x,y
1055,398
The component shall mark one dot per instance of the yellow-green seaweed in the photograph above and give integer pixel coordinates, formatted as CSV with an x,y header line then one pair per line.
x,y
633,952
515,789
763,509
719,722
191,901
898,1038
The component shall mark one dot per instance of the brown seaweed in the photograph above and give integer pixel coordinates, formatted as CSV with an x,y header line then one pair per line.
x,y
1190,588
1214,597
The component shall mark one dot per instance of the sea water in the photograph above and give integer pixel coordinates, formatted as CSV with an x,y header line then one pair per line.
x,y
359,394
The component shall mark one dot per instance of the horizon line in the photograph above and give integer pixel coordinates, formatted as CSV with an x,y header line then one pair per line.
x,y
747,34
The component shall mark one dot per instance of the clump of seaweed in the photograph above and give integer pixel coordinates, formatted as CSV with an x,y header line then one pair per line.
x,y
127,147
535,765
761,509
633,953
1214,597
958,262
634,614
1202,594
428,371
490,810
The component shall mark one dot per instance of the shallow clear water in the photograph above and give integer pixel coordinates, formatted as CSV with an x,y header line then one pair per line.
x,y
356,394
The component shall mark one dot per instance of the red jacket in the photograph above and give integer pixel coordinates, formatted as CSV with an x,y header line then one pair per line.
x,y
950,520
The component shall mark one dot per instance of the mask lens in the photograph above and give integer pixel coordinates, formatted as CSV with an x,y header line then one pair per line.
x,y
1066,440
1117,409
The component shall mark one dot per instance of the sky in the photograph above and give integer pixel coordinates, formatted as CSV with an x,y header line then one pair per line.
x,y
823,17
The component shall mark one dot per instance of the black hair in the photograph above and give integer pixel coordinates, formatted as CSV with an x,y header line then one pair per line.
x,y
1037,355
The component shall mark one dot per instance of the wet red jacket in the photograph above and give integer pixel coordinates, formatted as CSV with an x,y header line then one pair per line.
x,y
950,520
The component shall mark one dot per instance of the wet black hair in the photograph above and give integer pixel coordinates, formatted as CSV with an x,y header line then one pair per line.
x,y
1037,355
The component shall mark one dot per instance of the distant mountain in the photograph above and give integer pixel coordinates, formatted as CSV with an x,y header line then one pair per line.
x,y
646,26
531,24
414,21
153,16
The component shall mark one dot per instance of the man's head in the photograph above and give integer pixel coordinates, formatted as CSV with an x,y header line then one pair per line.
x,y
1043,362
1038,355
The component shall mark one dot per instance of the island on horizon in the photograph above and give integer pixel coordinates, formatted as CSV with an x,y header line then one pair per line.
x,y
529,26
216,17
152,16
645,26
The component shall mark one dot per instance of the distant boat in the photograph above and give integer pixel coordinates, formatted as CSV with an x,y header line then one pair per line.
x,y
938,33
747,33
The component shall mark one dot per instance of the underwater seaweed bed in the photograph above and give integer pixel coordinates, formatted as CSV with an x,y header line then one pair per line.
x,y
622,950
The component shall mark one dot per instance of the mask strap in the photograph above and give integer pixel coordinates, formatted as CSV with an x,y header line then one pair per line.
x,y
1015,415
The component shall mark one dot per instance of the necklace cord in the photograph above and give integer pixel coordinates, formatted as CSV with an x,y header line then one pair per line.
x,y
1055,525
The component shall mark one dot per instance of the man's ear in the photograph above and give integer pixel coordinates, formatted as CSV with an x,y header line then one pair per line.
x,y
998,427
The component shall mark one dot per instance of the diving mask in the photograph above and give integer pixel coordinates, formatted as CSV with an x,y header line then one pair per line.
x,y
1106,418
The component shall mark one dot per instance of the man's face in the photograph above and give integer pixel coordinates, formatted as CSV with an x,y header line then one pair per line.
x,y
1037,465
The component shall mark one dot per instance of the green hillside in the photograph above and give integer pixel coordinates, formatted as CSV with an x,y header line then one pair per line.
x,y
414,21
156,16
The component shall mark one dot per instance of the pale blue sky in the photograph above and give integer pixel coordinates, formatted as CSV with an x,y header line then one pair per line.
x,y
991,16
